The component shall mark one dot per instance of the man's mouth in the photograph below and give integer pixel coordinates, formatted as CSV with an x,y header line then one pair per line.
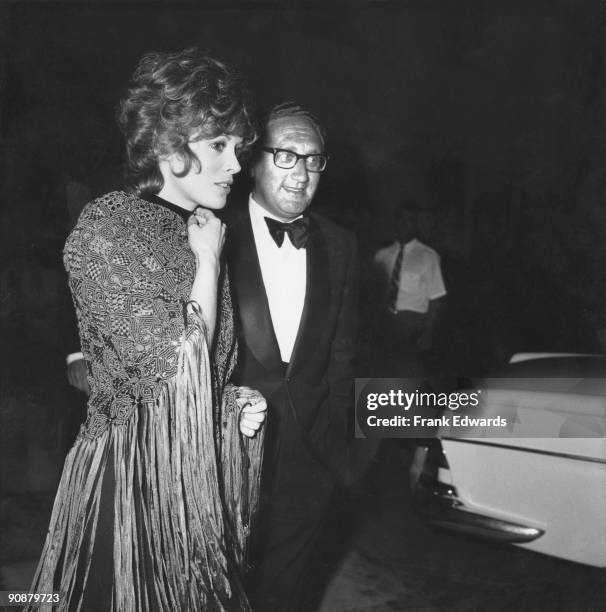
x,y
226,185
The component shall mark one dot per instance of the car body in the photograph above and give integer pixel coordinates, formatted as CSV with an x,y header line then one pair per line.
x,y
544,488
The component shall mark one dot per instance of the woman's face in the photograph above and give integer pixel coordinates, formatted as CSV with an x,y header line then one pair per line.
x,y
210,185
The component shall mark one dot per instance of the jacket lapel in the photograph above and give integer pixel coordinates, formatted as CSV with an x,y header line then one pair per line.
x,y
317,298
251,299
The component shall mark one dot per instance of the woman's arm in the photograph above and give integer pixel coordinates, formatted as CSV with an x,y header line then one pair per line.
x,y
129,281
206,237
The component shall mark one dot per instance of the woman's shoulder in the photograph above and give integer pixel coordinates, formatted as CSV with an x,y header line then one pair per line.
x,y
120,212
122,227
111,206
112,219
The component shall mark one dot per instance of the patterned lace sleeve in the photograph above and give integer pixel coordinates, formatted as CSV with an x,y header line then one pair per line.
x,y
129,273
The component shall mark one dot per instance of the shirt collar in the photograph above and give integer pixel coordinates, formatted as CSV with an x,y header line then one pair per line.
x,y
408,245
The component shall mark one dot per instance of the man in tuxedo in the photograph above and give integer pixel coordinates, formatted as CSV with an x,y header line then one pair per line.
x,y
293,276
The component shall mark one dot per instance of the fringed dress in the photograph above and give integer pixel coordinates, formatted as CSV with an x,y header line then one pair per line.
x,y
158,491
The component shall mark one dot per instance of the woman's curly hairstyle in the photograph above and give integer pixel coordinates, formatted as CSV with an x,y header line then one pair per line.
x,y
174,98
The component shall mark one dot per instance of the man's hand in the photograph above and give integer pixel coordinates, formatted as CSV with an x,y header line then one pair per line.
x,y
254,410
76,376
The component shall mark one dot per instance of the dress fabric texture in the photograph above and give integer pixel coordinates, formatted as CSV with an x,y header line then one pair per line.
x,y
158,492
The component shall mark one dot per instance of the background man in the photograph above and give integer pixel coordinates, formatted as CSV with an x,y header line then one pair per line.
x,y
412,291
293,276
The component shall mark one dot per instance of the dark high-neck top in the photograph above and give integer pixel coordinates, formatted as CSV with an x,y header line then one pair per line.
x,y
182,212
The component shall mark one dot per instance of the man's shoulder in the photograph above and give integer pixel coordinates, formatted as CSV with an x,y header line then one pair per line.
x,y
333,231
236,213
385,252
425,249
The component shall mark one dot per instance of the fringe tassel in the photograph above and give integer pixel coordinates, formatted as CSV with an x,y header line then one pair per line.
x,y
183,500
74,512
241,473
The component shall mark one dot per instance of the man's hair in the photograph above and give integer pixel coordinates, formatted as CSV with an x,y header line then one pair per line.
x,y
290,109
174,98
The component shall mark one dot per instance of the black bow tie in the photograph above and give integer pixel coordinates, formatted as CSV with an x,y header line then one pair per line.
x,y
297,230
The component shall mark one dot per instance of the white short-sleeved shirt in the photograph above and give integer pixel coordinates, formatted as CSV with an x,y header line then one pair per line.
x,y
420,276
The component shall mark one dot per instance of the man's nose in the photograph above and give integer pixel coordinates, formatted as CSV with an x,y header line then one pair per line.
x,y
300,172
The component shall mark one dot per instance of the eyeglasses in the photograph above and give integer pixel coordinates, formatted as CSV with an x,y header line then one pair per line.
x,y
285,159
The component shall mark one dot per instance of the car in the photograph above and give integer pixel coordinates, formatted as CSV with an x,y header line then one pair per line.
x,y
541,484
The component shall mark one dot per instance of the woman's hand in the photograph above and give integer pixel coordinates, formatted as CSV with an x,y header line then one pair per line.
x,y
254,410
206,235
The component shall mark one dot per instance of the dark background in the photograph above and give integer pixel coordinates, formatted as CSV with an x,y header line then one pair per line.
x,y
491,114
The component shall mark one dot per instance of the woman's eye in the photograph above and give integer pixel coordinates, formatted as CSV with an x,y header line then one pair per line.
x,y
218,145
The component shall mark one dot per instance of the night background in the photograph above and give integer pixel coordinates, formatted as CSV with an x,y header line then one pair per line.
x,y
492,115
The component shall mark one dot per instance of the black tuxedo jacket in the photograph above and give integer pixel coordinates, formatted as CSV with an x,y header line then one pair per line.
x,y
317,385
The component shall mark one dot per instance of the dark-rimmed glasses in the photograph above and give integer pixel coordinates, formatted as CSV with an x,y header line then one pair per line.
x,y
285,159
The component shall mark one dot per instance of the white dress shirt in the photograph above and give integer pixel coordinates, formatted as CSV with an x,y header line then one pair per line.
x,y
284,271
420,275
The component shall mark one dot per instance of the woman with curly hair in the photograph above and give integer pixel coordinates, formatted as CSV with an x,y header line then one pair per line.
x,y
157,494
